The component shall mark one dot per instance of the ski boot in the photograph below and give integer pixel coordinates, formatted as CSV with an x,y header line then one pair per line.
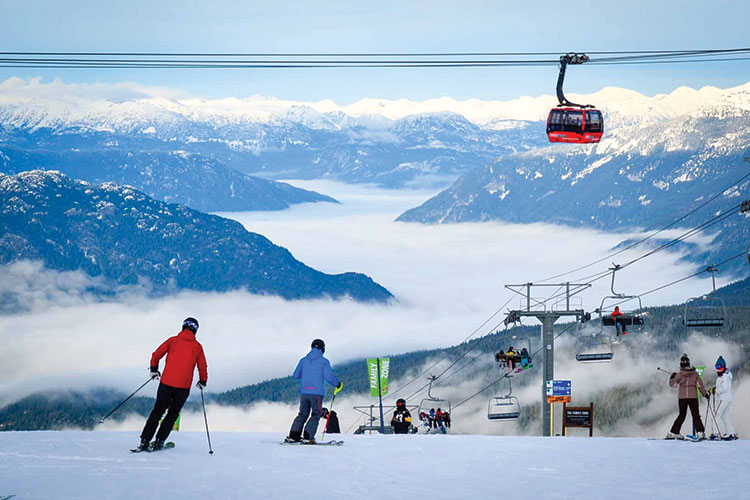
x,y
143,446
673,435
157,445
701,436
306,439
293,437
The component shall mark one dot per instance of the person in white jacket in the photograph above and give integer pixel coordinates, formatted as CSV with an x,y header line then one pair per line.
x,y
724,398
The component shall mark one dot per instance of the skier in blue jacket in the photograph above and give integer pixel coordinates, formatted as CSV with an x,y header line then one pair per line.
x,y
312,371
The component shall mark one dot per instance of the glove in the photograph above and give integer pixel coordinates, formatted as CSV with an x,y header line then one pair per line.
x,y
201,384
674,374
338,388
155,373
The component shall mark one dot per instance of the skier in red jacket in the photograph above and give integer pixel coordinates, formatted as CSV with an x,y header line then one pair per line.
x,y
183,354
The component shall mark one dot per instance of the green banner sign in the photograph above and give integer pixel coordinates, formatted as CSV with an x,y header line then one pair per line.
x,y
372,370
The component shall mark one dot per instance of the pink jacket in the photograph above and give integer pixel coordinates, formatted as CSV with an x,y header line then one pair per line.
x,y
689,381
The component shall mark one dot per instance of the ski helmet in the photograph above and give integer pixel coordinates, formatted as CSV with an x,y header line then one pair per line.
x,y
684,361
319,344
721,365
190,324
401,402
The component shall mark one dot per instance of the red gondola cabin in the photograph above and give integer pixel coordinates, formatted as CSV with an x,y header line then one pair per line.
x,y
575,125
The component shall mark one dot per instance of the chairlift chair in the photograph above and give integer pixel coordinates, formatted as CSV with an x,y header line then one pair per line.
x,y
627,318
432,402
518,345
505,407
705,311
595,348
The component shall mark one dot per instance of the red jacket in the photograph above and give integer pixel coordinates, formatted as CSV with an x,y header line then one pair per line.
x,y
183,353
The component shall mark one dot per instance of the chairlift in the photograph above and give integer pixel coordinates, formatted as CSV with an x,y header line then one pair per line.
x,y
505,407
706,311
431,402
625,318
570,122
521,354
595,348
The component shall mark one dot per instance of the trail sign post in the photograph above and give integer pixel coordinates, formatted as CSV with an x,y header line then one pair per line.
x,y
578,416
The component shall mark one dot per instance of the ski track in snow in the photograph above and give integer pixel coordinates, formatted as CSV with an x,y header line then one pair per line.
x,y
96,465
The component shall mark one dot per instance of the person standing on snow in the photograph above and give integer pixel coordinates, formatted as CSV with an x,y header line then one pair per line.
x,y
401,420
183,354
688,381
723,393
312,371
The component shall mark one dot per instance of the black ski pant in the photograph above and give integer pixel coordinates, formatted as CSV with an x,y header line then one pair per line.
x,y
684,404
308,403
169,399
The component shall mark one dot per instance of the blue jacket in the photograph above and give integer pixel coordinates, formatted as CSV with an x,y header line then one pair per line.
x,y
312,372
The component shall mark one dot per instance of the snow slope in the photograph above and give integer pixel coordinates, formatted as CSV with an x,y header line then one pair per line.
x,y
96,465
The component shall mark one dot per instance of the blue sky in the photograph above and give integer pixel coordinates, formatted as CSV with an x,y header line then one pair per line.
x,y
385,26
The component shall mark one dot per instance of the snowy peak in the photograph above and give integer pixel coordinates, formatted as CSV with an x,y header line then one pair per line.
x,y
124,107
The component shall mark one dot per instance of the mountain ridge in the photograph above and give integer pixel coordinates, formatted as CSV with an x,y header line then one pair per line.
x,y
127,237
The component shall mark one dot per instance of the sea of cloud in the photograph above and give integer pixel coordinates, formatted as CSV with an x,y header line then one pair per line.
x,y
447,280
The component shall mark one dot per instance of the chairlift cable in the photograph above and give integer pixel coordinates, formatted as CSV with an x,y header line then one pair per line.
x,y
474,332
741,254
684,236
507,375
642,240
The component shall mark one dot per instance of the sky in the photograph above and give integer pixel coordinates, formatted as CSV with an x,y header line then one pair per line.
x,y
388,26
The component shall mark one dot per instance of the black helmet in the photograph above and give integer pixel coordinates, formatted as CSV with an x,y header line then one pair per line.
x,y
318,344
684,361
401,402
190,324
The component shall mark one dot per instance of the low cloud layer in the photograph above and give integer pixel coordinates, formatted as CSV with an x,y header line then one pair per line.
x,y
448,279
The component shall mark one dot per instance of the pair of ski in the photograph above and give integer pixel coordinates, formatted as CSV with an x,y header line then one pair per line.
x,y
519,370
167,446
717,437
688,437
317,443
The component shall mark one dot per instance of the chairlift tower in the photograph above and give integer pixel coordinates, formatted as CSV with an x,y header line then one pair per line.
x,y
564,302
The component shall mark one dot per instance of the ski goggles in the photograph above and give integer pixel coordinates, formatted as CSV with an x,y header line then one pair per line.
x,y
721,368
190,324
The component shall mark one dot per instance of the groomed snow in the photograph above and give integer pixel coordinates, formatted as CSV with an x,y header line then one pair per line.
x,y
98,465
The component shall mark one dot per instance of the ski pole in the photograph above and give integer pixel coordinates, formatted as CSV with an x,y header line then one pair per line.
x,y
708,404
662,370
101,420
329,417
205,419
713,415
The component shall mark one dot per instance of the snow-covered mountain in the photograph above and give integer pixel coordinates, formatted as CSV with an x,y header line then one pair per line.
x,y
389,142
129,238
645,172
